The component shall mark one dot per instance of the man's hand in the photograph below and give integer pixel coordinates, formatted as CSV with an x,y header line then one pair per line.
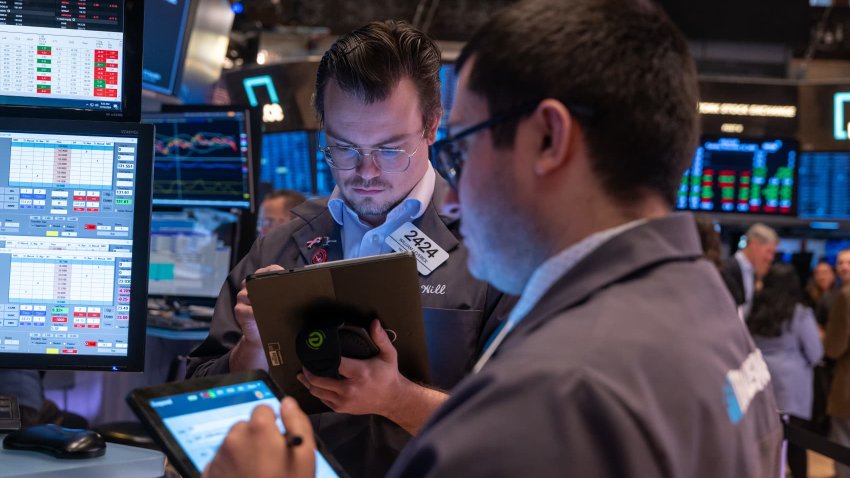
x,y
375,386
257,449
248,353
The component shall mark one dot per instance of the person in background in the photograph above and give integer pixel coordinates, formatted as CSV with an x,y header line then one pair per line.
x,y
275,209
27,387
786,333
837,347
821,291
743,272
709,239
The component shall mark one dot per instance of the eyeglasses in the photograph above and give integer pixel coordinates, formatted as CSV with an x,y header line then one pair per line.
x,y
388,160
449,156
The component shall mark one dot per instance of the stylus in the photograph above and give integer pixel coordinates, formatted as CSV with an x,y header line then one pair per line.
x,y
293,440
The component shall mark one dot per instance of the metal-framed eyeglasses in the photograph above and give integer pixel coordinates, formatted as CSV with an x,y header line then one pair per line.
x,y
448,155
388,160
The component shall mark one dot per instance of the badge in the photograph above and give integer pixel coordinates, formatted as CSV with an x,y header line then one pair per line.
x,y
323,241
429,255
320,257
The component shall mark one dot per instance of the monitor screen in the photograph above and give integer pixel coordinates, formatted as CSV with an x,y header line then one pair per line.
x,y
739,175
80,58
165,35
202,159
292,161
190,252
448,84
74,221
824,191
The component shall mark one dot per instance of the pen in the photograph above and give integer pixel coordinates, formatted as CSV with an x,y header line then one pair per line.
x,y
292,440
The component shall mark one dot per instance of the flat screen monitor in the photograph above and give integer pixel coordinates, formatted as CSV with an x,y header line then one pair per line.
x,y
824,191
448,84
166,26
740,175
190,252
71,59
202,159
291,160
74,222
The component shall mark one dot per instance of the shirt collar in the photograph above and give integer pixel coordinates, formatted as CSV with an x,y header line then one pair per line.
x,y
558,265
416,202
745,263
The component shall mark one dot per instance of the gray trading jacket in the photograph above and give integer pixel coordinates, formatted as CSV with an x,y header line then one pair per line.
x,y
367,445
621,370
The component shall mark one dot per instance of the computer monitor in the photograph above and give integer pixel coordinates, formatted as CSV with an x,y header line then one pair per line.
x,y
190,252
291,160
448,84
740,175
74,222
165,39
824,191
203,159
71,59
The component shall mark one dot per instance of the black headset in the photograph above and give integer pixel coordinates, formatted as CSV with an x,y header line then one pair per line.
x,y
331,331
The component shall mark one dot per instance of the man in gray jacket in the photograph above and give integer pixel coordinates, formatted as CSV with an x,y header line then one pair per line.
x,y
624,357
378,97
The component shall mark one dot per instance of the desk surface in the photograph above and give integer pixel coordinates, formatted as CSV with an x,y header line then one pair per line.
x,y
119,460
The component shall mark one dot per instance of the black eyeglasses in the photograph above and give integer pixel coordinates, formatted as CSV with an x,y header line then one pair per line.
x,y
449,157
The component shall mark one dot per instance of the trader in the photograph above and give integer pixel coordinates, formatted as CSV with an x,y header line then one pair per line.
x,y
378,97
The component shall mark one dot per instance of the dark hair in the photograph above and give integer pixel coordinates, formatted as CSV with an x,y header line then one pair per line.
x,y
370,61
773,305
712,248
292,198
622,59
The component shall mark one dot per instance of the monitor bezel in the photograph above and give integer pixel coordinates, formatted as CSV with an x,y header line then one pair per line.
x,y
253,128
136,333
131,104
180,56
785,139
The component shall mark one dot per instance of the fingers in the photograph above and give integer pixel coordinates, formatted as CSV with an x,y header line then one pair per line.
x,y
387,351
353,368
296,422
330,391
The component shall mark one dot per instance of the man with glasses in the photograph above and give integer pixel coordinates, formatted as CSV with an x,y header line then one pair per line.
x,y
573,123
378,98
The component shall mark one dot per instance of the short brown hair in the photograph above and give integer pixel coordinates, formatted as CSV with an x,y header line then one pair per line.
x,y
370,61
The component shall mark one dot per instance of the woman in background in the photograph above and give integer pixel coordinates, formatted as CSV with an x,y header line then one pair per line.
x,y
786,332
821,290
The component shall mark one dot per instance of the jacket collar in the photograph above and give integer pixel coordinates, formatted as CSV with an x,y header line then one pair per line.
x,y
672,238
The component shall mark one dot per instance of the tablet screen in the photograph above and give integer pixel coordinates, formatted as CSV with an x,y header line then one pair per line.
x,y
199,421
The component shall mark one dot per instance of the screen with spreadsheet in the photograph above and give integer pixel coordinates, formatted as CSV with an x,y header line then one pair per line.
x,y
824,191
72,203
739,175
202,159
67,54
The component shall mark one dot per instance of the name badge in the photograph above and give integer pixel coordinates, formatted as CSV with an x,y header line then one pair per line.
x,y
429,255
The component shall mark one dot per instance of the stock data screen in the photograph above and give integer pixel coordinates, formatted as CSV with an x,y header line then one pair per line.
x,y
740,175
62,53
201,159
824,191
66,238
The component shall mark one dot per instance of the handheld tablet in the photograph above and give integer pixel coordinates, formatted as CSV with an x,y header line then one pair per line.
x,y
190,419
385,287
